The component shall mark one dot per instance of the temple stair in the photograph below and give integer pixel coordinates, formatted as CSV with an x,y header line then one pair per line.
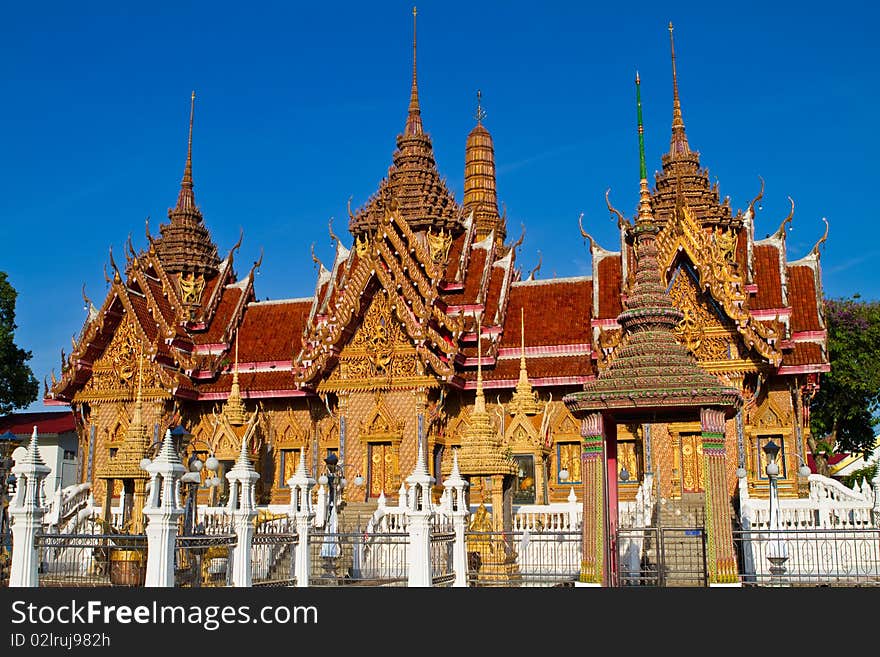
x,y
683,559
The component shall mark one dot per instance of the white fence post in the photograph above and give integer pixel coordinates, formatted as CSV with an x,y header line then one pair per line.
x,y
163,511
457,507
242,506
419,515
301,509
26,512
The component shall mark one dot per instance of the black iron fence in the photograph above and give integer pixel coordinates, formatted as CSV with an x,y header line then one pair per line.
x,y
442,544
809,557
273,553
203,560
523,558
358,558
92,559
661,556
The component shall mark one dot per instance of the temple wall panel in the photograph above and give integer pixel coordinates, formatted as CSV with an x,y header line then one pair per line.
x,y
110,420
400,406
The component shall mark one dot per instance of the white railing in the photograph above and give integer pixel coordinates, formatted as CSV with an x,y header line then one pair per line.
x,y
65,504
830,505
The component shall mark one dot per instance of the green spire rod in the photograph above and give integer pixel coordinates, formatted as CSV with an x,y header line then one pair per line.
x,y
643,170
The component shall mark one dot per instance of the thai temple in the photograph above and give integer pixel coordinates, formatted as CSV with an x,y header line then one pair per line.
x,y
689,347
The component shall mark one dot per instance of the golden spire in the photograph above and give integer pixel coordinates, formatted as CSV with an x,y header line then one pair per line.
x,y
481,445
234,407
137,419
645,213
480,402
480,195
414,118
524,399
185,198
679,143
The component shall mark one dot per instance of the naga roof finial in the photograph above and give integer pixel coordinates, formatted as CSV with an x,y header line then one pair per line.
x,y
780,232
621,220
584,233
536,268
750,213
815,249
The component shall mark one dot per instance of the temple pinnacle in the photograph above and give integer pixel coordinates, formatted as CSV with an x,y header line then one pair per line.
x,y
679,143
480,113
645,214
414,117
186,198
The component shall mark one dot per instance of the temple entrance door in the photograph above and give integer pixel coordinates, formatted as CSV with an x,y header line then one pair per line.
x,y
382,469
692,463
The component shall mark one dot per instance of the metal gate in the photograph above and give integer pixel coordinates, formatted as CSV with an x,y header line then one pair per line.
x,y
661,556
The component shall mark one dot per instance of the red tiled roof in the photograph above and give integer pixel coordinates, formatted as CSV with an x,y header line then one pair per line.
x,y
538,368
46,422
473,278
272,331
802,297
161,301
220,321
766,263
141,309
454,256
493,295
252,382
804,353
610,274
556,313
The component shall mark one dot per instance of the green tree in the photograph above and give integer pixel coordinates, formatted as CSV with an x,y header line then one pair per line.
x,y
18,386
843,414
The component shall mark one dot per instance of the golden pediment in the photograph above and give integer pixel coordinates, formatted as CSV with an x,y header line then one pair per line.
x,y
712,253
114,373
379,355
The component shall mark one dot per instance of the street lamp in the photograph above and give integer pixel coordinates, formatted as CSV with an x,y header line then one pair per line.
x,y
334,478
777,550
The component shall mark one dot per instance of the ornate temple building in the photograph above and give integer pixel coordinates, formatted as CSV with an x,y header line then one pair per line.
x,y
424,331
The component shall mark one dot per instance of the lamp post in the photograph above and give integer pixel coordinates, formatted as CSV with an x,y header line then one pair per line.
x,y
334,479
777,550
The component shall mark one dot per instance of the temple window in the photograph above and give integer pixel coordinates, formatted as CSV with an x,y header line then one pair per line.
x,y
568,457
524,491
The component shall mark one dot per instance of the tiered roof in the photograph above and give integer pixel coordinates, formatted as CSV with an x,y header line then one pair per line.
x,y
443,265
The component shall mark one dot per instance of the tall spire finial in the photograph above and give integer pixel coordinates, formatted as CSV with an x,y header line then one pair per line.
x,y
480,402
186,199
645,213
481,113
679,142
414,118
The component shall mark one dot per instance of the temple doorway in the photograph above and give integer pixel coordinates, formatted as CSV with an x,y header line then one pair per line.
x,y
382,469
692,463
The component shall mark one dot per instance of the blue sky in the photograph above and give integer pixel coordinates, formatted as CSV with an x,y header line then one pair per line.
x,y
298,107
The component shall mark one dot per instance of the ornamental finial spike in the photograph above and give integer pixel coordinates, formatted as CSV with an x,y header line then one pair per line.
x,y
481,113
